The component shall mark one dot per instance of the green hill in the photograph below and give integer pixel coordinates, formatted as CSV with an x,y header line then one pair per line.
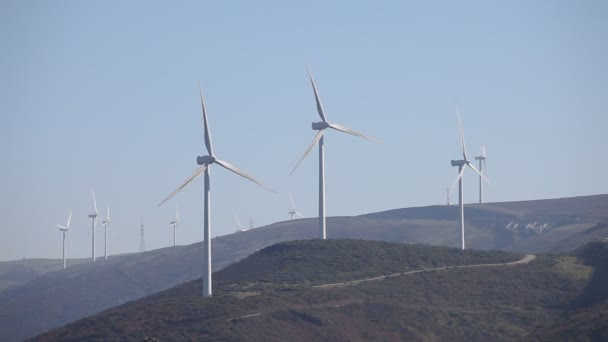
x,y
588,318
32,306
273,295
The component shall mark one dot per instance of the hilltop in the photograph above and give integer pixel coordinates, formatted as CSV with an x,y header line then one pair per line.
x,y
32,306
273,295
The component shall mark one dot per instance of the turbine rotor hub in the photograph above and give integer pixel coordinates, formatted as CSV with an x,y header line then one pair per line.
x,y
319,126
205,160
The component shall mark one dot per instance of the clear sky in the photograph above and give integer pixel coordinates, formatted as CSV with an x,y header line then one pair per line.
x,y
103,95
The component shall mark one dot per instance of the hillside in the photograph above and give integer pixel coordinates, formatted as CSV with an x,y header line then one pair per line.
x,y
275,300
589,314
15,273
57,298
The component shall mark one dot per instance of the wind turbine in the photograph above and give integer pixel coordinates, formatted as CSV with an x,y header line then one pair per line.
x,y
94,217
64,230
175,223
482,166
462,164
205,162
105,224
293,211
239,227
321,126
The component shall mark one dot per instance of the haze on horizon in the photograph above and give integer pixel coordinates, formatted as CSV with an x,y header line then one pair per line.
x,y
104,96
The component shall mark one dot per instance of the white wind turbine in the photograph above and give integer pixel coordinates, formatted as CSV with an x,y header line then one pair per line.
x,y
64,230
321,126
293,212
175,223
462,164
105,224
205,162
483,169
239,227
94,217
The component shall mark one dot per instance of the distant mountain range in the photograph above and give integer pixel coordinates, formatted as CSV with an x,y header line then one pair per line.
x,y
275,295
34,305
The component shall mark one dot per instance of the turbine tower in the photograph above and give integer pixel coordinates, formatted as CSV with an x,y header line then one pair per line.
x,y
482,168
293,212
105,224
64,230
205,162
94,217
321,126
462,164
175,223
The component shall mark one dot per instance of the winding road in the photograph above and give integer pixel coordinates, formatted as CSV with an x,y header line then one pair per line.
x,y
526,259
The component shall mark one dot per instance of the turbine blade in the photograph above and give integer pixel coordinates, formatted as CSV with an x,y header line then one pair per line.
x,y
208,144
314,142
94,202
293,206
485,167
241,173
108,214
462,142
69,220
350,131
297,213
483,151
477,172
314,88
69,239
188,180
60,226
238,222
458,178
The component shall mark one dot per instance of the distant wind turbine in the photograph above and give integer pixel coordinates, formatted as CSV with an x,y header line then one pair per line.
x,y
175,223
321,126
293,212
94,217
462,164
105,224
239,227
483,169
205,162
64,230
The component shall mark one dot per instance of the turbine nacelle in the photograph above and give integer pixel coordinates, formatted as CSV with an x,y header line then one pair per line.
x,y
205,160
458,162
319,126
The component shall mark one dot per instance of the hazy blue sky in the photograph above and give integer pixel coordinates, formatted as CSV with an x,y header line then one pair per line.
x,y
103,95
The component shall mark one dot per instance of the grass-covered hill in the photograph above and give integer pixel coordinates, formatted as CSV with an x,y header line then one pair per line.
x,y
315,262
31,306
588,318
273,296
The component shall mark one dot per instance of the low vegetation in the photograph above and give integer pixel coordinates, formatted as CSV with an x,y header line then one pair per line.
x,y
269,296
